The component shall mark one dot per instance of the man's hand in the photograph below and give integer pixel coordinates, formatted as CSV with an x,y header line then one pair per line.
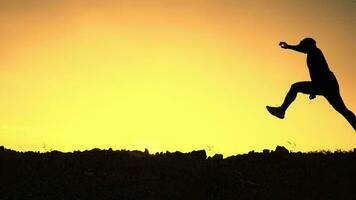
x,y
284,45
312,96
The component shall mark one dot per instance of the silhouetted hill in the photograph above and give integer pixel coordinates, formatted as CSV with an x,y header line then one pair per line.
x,y
108,174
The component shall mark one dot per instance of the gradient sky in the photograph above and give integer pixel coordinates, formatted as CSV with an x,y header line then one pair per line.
x,y
170,74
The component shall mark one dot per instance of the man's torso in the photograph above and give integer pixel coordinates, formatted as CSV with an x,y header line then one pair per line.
x,y
318,67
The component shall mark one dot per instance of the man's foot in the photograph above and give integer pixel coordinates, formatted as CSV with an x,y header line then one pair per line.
x,y
276,111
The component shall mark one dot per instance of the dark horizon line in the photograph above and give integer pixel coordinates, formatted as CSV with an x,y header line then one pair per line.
x,y
145,153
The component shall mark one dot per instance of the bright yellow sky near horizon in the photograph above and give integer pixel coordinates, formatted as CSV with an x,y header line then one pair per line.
x,y
170,74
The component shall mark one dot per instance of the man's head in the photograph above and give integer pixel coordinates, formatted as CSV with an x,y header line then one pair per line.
x,y
307,44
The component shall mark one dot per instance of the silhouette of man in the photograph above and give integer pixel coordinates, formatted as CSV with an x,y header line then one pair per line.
x,y
323,82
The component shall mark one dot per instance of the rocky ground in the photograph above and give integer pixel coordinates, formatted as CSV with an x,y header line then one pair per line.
x,y
108,174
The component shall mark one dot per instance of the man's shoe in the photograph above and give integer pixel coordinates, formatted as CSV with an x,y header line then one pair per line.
x,y
276,111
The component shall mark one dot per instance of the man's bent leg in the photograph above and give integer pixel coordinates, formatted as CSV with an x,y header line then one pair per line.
x,y
305,87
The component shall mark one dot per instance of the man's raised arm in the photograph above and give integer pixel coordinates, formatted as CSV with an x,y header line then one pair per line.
x,y
298,47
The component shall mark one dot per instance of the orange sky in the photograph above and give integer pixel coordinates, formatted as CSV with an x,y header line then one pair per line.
x,y
170,74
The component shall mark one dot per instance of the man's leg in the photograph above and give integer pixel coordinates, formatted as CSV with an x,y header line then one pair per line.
x,y
305,87
338,104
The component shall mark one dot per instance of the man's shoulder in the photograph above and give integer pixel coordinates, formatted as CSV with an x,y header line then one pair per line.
x,y
316,52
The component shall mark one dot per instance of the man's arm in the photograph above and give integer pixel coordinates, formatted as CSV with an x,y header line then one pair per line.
x,y
298,47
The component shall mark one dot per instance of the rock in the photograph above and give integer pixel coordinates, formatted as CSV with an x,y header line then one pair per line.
x,y
281,150
217,157
199,155
265,151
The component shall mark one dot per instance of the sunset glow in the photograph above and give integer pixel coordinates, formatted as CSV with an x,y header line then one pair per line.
x,y
169,74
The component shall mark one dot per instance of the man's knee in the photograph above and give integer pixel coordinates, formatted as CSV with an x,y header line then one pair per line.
x,y
295,87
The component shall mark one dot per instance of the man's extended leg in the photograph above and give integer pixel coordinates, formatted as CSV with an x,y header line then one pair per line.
x,y
336,101
305,87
